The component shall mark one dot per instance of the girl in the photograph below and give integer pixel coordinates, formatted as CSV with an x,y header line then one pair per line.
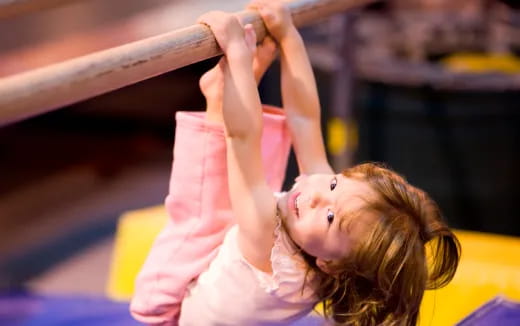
x,y
198,201
355,241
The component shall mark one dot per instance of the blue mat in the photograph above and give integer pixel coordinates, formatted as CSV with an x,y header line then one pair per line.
x,y
24,309
498,311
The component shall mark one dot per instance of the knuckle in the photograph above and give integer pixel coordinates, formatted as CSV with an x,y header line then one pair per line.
x,y
229,20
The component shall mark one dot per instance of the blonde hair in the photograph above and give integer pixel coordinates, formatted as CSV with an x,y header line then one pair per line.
x,y
384,279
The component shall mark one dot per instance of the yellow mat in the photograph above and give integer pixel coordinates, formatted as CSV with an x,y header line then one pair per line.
x,y
490,266
136,231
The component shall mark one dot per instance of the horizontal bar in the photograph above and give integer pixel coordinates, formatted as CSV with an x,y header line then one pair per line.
x,y
41,90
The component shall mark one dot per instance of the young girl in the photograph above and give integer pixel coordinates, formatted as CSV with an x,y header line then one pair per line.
x,y
355,241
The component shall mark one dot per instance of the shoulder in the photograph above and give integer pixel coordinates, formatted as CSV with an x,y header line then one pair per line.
x,y
256,238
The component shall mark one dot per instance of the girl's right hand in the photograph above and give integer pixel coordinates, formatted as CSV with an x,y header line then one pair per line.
x,y
276,16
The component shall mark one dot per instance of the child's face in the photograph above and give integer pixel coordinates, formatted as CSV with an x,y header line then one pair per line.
x,y
319,214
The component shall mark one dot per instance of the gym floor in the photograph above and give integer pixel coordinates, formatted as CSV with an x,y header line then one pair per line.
x,y
90,265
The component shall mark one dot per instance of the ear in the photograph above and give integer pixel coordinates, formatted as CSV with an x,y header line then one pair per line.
x,y
324,265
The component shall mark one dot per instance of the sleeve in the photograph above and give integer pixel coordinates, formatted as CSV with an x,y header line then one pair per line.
x,y
289,271
199,209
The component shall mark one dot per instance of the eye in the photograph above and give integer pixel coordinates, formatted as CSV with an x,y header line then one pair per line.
x,y
333,183
330,216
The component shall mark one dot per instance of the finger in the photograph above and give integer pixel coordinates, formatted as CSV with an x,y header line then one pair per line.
x,y
240,21
255,4
203,19
250,37
265,12
210,17
252,6
268,42
266,52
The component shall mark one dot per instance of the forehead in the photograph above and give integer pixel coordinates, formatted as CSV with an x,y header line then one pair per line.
x,y
350,234
354,222
351,194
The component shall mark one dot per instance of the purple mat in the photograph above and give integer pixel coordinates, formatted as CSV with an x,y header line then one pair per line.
x,y
25,309
498,311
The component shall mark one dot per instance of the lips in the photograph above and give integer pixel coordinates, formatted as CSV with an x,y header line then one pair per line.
x,y
292,203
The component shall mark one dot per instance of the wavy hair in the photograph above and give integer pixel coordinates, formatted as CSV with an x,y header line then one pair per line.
x,y
408,249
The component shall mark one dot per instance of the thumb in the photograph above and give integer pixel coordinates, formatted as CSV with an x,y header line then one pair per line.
x,y
250,37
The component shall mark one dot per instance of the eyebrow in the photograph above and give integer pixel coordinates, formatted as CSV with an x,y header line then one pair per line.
x,y
344,225
336,206
340,213
341,223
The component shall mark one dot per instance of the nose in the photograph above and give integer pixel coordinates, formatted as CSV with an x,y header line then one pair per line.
x,y
316,199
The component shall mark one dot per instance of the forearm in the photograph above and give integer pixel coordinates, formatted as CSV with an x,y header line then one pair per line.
x,y
251,199
241,103
299,92
301,103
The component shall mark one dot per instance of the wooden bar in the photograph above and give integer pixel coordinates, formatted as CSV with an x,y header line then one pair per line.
x,y
41,90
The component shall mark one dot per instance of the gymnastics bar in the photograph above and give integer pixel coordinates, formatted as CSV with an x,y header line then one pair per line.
x,y
44,89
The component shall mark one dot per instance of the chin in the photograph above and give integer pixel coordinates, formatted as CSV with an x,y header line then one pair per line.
x,y
281,204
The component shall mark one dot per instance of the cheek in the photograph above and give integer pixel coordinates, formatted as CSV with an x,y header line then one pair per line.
x,y
308,229
302,234
312,235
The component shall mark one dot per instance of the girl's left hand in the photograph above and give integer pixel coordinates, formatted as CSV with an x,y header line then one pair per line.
x,y
229,32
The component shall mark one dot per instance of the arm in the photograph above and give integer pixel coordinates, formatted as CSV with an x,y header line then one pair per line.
x,y
252,201
299,92
300,100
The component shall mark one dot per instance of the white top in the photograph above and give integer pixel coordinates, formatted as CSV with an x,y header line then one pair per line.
x,y
233,292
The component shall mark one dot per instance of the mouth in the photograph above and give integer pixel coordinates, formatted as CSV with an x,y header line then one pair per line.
x,y
293,203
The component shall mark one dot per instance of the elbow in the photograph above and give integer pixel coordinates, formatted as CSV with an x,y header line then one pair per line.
x,y
303,122
243,134
303,113
244,130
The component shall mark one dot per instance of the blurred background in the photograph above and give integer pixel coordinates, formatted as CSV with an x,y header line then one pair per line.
x,y
429,87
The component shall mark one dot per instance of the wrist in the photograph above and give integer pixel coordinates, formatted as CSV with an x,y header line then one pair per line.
x,y
290,35
237,51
